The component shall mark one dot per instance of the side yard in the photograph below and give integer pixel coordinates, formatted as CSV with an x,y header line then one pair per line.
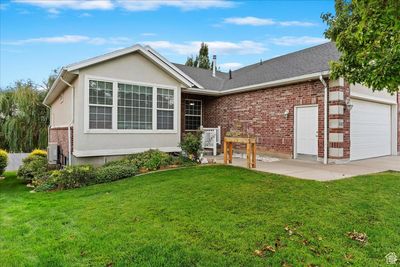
x,y
203,215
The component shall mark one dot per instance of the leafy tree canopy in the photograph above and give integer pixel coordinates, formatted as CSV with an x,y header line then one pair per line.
x,y
23,117
202,60
367,33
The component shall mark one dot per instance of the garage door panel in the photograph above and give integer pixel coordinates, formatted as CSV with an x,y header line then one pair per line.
x,y
370,128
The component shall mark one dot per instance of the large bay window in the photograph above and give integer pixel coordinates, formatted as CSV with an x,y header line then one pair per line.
x,y
192,114
115,106
135,107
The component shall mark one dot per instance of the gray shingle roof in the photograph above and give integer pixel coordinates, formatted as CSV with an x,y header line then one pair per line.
x,y
204,77
310,60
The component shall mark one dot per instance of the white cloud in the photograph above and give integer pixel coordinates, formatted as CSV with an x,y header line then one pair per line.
x,y
130,5
3,6
148,34
53,11
68,39
52,5
85,15
215,47
254,21
229,66
301,40
143,5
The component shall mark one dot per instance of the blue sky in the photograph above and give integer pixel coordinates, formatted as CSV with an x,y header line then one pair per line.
x,y
37,36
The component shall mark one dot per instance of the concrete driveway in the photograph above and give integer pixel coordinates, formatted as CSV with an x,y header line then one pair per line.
x,y
313,170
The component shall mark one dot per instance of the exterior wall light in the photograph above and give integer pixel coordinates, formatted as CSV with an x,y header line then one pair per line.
x,y
286,114
349,105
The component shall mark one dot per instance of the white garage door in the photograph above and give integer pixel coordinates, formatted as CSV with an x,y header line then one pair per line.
x,y
370,130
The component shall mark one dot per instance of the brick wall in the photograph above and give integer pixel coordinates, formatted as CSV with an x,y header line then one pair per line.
x,y
59,135
261,113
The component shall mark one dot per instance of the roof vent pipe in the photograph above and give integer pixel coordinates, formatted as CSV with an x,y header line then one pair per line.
x,y
230,75
214,64
261,62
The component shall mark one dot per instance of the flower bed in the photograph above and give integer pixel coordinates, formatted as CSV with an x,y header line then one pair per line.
x,y
36,172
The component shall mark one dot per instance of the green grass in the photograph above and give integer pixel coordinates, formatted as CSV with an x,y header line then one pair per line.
x,y
206,216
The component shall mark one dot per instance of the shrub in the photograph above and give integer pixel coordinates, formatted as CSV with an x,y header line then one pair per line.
x,y
114,172
44,182
32,166
150,160
73,177
3,161
38,152
182,161
191,145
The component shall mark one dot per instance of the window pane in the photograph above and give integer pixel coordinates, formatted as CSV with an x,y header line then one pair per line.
x,y
165,98
100,93
192,122
165,119
100,117
192,107
135,105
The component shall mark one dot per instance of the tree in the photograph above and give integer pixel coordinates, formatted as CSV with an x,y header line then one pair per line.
x,y
367,33
24,119
46,84
202,60
190,62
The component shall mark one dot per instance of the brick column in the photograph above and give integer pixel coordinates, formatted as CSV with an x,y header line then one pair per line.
x,y
338,122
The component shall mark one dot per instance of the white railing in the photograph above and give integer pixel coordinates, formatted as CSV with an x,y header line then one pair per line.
x,y
211,138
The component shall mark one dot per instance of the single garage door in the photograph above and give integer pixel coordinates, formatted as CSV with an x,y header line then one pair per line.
x,y
370,130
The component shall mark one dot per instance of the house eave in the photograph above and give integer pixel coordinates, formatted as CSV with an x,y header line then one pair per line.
x,y
286,81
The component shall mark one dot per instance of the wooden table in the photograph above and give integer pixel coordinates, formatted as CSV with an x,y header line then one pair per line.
x,y
250,149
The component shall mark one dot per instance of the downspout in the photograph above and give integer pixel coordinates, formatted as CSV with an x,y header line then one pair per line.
x,y
325,119
71,122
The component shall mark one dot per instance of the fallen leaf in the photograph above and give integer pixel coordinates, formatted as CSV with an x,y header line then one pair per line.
x,y
259,253
360,237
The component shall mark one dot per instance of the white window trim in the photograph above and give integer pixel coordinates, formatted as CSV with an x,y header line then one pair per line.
x,y
115,106
201,114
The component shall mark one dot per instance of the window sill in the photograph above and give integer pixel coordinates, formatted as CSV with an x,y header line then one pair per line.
x,y
105,131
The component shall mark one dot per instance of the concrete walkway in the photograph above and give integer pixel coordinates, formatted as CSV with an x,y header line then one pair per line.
x,y
313,170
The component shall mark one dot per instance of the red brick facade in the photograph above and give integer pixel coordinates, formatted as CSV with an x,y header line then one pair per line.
x,y
59,135
261,113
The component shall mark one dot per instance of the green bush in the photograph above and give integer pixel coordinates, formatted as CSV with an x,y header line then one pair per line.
x,y
32,166
114,172
73,177
191,145
38,152
3,161
150,160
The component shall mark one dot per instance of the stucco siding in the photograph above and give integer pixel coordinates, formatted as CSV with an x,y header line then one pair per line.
x,y
132,68
61,109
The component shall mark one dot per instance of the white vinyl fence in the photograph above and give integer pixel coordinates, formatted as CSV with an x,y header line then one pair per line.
x,y
211,138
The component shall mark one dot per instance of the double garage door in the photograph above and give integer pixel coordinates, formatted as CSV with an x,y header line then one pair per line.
x,y
370,130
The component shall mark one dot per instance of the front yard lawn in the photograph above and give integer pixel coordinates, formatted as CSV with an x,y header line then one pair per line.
x,y
208,216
